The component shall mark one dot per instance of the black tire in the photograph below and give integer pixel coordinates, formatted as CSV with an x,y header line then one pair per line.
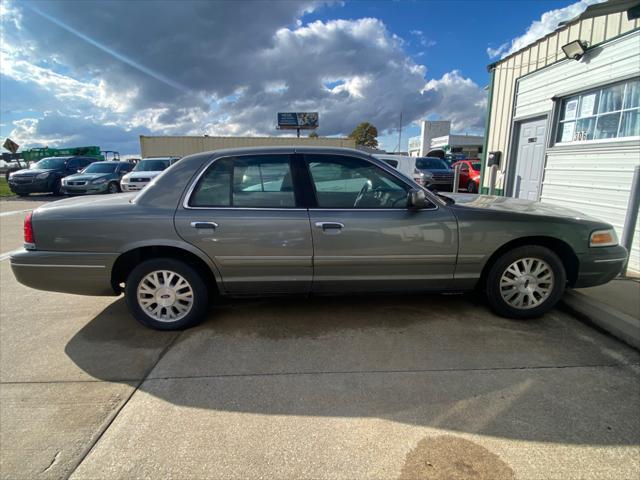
x,y
113,188
499,267
472,187
57,187
200,293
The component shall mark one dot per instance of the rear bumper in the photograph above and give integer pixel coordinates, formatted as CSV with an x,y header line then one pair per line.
x,y
600,265
67,272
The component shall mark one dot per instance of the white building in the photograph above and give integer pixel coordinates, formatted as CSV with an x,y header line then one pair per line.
x,y
436,139
568,129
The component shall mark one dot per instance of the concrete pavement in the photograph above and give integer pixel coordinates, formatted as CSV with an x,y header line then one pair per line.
x,y
354,387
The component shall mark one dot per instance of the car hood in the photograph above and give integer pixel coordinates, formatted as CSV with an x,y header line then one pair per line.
x,y
33,171
87,176
514,205
143,174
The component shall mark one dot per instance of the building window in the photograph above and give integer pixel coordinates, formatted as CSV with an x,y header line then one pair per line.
x,y
606,113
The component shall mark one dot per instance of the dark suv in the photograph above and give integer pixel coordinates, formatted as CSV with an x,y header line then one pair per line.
x,y
47,174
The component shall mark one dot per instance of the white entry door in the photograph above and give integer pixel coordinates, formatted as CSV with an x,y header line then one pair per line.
x,y
530,159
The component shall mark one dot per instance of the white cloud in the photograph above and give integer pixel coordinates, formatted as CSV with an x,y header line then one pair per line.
x,y
348,70
548,23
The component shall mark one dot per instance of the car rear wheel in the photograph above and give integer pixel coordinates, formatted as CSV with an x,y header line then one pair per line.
x,y
113,188
472,187
166,294
525,282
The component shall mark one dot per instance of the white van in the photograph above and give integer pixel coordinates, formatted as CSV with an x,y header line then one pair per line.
x,y
407,166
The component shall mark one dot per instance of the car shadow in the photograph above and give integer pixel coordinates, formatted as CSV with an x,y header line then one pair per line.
x,y
436,361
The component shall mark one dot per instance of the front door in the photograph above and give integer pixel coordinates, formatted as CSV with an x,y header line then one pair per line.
x,y
530,159
244,214
366,239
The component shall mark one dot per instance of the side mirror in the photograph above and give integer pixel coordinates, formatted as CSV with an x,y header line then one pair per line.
x,y
417,199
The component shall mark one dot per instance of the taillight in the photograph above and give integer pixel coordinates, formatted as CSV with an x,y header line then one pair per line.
x,y
29,239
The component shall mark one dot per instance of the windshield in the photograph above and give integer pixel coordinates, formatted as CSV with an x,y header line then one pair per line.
x,y
101,168
50,162
476,166
151,165
431,163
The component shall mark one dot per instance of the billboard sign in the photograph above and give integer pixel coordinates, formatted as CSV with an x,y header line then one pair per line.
x,y
299,120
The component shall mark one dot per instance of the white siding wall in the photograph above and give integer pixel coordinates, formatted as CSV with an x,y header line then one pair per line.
x,y
592,178
540,55
604,64
595,181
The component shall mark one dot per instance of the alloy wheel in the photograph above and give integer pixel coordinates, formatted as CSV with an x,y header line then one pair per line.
x,y
526,283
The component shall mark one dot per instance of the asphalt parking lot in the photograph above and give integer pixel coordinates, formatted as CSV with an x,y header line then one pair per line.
x,y
424,387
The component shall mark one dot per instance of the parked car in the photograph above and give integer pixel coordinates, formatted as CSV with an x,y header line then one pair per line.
x,y
302,220
452,158
145,171
469,174
99,177
407,166
441,173
46,175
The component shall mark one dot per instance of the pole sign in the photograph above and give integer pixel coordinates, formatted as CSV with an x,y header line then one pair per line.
x,y
298,120
11,145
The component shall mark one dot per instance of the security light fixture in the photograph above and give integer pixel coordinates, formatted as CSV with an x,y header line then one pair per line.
x,y
575,49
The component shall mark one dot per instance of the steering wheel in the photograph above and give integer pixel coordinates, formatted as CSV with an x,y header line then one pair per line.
x,y
400,199
362,193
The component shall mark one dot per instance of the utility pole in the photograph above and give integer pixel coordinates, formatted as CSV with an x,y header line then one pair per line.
x,y
400,134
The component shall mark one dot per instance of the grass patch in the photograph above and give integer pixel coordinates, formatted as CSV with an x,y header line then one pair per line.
x,y
4,188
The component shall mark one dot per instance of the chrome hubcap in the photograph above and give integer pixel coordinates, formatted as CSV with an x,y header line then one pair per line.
x,y
526,283
165,296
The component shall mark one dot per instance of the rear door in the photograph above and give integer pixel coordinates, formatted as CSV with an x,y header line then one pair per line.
x,y
244,213
366,239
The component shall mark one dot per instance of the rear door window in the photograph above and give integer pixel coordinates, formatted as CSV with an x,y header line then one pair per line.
x,y
256,181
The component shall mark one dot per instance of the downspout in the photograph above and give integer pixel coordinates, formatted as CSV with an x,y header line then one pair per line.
x,y
487,125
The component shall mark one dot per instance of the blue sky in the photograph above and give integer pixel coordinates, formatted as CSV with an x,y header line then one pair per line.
x,y
80,73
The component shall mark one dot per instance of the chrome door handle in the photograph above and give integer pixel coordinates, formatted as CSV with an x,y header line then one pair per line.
x,y
328,225
212,225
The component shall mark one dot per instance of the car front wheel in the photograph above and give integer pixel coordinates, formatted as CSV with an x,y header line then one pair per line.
x,y
166,294
525,282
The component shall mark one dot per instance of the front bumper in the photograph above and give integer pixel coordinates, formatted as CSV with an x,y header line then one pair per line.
x,y
37,186
67,272
87,189
600,265
133,187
